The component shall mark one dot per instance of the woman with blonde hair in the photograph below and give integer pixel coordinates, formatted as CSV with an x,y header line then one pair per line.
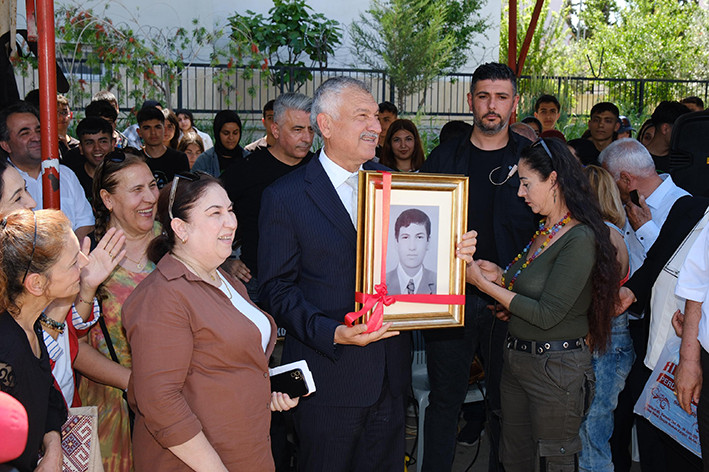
x,y
613,365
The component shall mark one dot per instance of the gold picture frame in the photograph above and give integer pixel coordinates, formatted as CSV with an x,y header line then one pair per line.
x,y
443,199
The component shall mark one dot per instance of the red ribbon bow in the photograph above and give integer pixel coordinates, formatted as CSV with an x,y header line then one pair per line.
x,y
377,302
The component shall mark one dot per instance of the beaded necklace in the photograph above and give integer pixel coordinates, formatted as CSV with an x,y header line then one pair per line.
x,y
549,233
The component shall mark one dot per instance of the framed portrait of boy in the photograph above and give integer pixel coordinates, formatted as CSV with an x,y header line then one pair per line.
x,y
408,228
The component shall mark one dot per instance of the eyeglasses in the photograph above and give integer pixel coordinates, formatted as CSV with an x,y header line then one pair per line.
x,y
34,246
544,146
189,176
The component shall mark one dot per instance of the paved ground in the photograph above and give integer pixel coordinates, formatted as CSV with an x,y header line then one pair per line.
x,y
468,458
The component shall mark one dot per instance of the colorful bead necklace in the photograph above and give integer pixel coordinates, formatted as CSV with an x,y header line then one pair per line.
x,y
549,233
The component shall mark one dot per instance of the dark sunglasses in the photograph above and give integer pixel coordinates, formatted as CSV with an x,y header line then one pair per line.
x,y
160,178
119,155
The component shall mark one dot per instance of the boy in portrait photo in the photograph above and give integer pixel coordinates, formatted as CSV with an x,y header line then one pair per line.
x,y
412,232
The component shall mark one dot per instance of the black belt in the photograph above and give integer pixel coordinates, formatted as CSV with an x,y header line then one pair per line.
x,y
539,347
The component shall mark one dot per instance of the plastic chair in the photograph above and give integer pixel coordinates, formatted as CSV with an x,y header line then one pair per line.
x,y
421,389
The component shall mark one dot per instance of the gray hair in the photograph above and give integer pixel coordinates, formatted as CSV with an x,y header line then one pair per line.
x,y
327,97
627,155
290,101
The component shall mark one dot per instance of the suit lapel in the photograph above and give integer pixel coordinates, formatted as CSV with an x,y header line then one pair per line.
x,y
320,190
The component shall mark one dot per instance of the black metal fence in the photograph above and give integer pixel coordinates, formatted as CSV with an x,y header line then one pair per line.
x,y
205,89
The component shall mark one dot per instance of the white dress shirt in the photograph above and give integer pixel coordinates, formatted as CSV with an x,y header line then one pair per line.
x,y
338,176
71,196
404,279
660,202
248,310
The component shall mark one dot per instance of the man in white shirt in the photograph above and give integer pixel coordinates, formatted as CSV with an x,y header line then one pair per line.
x,y
20,139
633,169
412,231
648,198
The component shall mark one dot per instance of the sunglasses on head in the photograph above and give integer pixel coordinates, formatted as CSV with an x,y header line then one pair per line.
x,y
190,177
544,146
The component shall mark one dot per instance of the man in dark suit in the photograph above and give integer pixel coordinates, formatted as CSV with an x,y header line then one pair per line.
x,y
412,232
307,265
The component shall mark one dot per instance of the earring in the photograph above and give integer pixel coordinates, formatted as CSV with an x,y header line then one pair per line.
x,y
555,196
183,240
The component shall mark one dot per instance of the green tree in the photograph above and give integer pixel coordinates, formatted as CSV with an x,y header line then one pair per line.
x,y
463,20
414,41
657,39
585,16
550,49
289,36
149,60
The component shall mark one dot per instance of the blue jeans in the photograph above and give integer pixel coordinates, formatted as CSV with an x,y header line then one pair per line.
x,y
611,369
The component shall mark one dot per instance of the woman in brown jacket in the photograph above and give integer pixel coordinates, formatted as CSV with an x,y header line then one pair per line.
x,y
200,386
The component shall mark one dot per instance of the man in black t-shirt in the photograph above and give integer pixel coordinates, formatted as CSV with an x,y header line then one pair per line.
x,y
95,141
151,128
488,156
602,126
246,180
664,118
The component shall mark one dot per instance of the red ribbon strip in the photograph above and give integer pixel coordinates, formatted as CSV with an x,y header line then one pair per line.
x,y
377,301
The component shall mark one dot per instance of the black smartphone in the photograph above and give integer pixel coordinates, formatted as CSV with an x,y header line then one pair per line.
x,y
634,197
291,382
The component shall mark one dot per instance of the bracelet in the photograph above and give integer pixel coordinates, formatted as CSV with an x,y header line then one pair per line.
x,y
91,303
52,324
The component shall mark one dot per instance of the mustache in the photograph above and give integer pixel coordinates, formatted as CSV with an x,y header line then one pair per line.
x,y
368,134
492,113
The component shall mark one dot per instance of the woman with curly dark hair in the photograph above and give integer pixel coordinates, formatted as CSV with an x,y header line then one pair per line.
x,y
125,198
558,295
403,150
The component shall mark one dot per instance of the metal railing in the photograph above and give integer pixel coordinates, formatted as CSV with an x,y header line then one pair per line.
x,y
200,89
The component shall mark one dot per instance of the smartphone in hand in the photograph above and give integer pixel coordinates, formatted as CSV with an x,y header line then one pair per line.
x,y
295,379
634,197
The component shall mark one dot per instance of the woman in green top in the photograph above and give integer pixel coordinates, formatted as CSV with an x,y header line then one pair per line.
x,y
558,295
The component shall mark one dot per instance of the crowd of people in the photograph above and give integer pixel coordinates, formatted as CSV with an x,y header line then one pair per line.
x,y
157,292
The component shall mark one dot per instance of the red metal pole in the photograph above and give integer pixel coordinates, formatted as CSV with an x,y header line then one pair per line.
x,y
530,34
512,37
512,45
48,103
31,21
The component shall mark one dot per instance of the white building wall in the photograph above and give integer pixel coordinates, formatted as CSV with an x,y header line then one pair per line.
x,y
215,12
